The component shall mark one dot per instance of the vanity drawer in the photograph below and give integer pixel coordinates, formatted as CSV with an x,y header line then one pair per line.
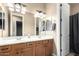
x,y
19,46
37,43
29,44
17,53
5,48
45,41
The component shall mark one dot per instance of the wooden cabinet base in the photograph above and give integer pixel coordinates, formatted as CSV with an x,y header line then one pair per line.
x,y
36,48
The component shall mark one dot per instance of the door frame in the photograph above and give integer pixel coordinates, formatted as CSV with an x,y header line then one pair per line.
x,y
11,23
61,30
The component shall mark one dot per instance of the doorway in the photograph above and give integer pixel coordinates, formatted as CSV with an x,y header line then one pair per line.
x,y
64,29
18,28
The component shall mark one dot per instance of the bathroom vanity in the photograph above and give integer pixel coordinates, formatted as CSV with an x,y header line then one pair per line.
x,y
28,47
26,34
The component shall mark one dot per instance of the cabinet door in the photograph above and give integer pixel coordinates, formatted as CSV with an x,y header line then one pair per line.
x,y
50,47
47,50
47,47
48,44
17,53
17,48
27,52
5,50
40,50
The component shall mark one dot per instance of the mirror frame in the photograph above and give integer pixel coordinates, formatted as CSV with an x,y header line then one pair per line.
x,y
11,22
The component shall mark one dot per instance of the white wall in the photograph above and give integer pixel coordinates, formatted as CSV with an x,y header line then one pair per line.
x,y
32,7
58,30
29,24
53,10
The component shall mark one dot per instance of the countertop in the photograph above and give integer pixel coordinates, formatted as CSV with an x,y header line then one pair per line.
x,y
22,39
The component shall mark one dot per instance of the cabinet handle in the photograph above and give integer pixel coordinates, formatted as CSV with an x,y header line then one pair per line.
x,y
38,42
4,49
29,43
48,40
17,52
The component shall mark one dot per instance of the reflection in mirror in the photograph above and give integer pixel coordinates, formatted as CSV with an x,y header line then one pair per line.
x,y
43,26
40,26
48,25
16,25
18,28
2,22
30,20
40,22
37,26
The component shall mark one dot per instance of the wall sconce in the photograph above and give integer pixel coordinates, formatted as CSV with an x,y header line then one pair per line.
x,y
39,14
10,6
17,7
23,11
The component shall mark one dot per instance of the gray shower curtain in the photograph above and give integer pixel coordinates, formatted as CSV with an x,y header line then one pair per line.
x,y
74,33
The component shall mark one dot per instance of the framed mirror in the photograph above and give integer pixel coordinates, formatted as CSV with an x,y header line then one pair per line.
x,y
2,22
16,27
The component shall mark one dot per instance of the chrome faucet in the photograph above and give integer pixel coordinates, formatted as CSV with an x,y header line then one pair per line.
x,y
19,38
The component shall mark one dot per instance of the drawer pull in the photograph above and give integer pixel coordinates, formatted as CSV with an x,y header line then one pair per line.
x,y
38,42
4,49
17,52
29,43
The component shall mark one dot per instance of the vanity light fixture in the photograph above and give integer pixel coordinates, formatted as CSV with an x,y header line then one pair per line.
x,y
20,8
23,11
17,7
10,6
40,14
11,9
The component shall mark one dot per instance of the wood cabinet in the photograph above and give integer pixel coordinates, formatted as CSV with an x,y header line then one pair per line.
x,y
17,48
44,48
35,48
5,50
48,47
40,49
29,50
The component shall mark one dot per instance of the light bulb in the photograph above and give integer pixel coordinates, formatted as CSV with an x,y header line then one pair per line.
x,y
23,9
10,5
11,9
17,6
23,12
36,14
